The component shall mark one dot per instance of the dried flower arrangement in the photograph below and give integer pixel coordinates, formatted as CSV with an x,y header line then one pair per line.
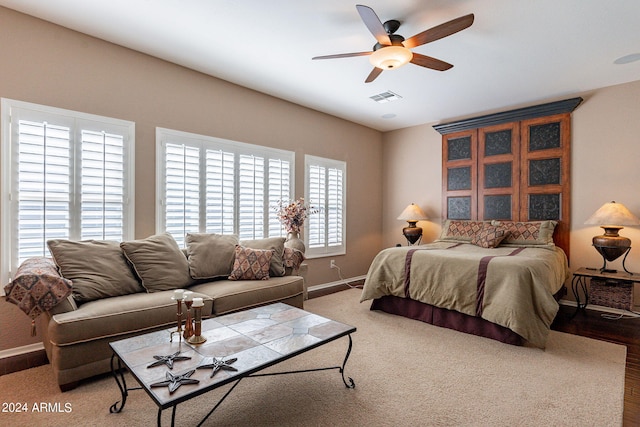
x,y
292,214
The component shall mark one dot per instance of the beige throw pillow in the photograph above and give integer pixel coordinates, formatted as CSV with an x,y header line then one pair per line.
x,y
159,262
97,269
210,256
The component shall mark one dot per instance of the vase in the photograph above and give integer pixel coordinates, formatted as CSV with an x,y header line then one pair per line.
x,y
293,241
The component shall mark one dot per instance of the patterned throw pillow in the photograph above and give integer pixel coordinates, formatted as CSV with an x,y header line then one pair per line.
x,y
292,258
462,231
528,234
490,236
251,264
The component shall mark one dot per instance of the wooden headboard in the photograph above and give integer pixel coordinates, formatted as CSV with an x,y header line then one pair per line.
x,y
511,166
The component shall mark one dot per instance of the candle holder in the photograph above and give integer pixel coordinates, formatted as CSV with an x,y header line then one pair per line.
x,y
177,297
188,324
197,338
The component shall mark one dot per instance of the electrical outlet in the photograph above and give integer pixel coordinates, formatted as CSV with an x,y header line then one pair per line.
x,y
332,263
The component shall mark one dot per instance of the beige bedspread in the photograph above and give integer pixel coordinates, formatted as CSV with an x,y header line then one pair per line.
x,y
512,287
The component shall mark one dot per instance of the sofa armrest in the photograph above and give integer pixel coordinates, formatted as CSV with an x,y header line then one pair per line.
x,y
38,287
64,306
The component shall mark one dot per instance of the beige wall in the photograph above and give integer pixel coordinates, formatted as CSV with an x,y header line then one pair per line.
x,y
605,155
69,70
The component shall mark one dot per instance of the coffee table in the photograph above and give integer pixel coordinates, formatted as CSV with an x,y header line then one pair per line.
x,y
237,346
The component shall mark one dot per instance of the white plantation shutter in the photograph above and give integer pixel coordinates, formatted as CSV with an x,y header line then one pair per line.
x,y
316,194
220,192
335,207
102,186
325,184
251,181
237,186
43,180
66,175
182,190
279,189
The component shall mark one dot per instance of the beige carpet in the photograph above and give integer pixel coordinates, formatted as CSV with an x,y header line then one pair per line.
x,y
407,373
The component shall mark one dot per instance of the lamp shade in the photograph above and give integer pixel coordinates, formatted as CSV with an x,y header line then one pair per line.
x,y
613,214
412,213
390,57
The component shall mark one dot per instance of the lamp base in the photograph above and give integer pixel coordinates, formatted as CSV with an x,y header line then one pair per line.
x,y
604,268
412,234
612,246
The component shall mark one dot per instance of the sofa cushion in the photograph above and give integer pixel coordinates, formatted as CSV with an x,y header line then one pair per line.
x,y
231,296
276,267
158,262
97,269
116,316
251,264
210,256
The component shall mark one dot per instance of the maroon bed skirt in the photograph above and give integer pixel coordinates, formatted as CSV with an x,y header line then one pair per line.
x,y
446,318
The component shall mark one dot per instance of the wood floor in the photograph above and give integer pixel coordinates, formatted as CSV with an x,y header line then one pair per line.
x,y
590,323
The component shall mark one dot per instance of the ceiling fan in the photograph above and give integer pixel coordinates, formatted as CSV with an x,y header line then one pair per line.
x,y
392,50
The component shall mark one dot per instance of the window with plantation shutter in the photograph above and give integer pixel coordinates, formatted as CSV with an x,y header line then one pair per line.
x,y
325,186
212,185
66,175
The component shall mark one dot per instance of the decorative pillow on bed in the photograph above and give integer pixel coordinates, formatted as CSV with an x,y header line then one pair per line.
x,y
528,234
251,264
462,231
490,236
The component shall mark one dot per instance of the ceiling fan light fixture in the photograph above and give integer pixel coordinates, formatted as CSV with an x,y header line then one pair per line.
x,y
390,57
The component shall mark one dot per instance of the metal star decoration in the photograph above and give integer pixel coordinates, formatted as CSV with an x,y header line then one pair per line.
x,y
168,360
175,381
217,364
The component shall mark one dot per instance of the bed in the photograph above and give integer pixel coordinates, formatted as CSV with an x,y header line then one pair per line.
x,y
499,280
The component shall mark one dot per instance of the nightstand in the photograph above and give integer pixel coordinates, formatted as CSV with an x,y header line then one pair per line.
x,y
608,289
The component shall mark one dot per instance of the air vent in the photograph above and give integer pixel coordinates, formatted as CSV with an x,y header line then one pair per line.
x,y
387,96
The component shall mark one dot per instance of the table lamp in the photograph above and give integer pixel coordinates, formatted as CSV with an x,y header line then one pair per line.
x,y
412,214
612,217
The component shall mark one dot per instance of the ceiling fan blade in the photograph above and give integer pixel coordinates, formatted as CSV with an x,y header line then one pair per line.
x,y
429,62
374,74
440,31
342,55
374,25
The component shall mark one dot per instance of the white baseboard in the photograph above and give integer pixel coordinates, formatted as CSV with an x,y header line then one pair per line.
x,y
31,348
336,283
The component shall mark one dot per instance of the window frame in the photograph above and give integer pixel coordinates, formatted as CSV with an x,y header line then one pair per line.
x,y
327,250
11,112
203,142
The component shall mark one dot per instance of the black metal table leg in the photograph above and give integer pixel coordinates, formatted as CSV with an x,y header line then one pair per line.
x,y
351,383
122,385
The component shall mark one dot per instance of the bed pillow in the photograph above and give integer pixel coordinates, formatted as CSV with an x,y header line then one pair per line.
x,y
251,264
158,262
461,231
210,256
97,269
276,244
529,233
490,236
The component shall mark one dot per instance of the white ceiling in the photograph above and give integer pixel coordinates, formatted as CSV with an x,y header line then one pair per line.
x,y
517,52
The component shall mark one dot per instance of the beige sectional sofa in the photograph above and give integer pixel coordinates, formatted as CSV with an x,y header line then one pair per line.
x,y
122,290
